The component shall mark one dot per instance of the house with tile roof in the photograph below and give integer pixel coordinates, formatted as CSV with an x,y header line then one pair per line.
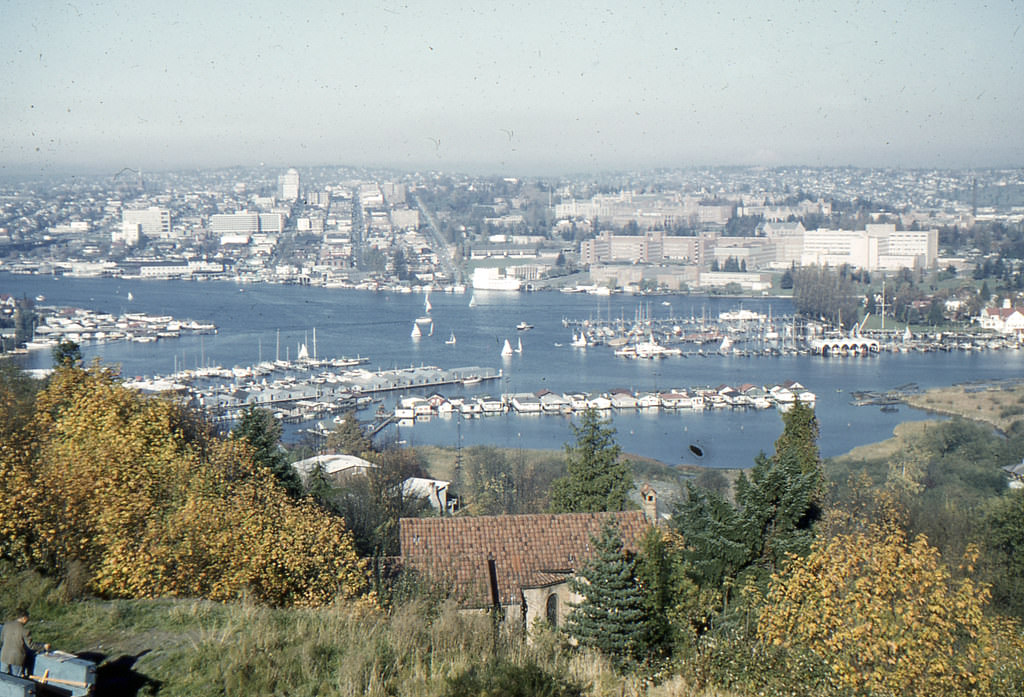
x,y
525,560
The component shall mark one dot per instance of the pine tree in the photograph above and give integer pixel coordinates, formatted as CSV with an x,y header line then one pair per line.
x,y
596,480
348,438
611,616
776,505
263,432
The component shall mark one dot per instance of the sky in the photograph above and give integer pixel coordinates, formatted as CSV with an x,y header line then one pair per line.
x,y
512,88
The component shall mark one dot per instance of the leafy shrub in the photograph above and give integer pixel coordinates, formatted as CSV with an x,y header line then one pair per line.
x,y
502,678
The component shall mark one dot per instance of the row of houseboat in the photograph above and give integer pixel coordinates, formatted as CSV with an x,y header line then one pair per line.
x,y
547,402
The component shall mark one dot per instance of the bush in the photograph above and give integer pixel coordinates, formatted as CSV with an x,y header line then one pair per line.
x,y
501,678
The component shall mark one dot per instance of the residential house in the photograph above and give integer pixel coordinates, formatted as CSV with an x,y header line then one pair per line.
x,y
526,561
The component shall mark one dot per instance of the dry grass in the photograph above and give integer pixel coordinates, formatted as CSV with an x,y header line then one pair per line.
x,y
1001,405
902,434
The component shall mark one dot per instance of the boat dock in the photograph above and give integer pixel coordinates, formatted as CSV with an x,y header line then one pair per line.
x,y
295,393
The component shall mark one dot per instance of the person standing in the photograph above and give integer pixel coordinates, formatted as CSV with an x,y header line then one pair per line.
x,y
17,643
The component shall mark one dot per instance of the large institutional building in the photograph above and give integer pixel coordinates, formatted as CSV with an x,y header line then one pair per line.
x,y
876,248
152,223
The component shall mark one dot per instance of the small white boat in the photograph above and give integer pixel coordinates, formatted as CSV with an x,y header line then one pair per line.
x,y
424,320
416,333
524,326
450,340
506,350
472,301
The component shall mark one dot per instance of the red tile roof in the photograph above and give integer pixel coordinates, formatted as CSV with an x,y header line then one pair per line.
x,y
529,550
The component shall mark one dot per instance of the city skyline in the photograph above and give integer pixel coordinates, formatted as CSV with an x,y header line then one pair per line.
x,y
512,88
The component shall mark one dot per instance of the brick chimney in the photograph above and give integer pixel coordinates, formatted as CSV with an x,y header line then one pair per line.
x,y
649,503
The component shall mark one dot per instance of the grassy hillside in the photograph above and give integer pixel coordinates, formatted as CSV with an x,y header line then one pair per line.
x,y
192,648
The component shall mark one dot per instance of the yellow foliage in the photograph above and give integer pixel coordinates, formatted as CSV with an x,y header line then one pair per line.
x,y
134,488
883,612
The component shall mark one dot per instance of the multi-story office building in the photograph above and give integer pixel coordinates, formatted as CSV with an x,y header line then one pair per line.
x,y
151,223
288,185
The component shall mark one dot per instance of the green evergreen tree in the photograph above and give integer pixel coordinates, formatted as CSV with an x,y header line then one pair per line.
x,y
597,480
611,616
67,354
654,576
348,438
776,506
263,431
799,439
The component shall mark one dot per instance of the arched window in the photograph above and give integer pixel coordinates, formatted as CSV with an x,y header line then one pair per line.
x,y
551,610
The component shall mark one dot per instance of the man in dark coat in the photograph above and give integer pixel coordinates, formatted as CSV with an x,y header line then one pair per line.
x,y
17,643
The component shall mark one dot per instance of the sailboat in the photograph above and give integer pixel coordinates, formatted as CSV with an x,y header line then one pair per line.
x,y
519,346
450,340
431,332
130,296
506,350
579,341
416,333
426,304
472,301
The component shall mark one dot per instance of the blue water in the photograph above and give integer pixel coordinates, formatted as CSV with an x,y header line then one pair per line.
x,y
378,326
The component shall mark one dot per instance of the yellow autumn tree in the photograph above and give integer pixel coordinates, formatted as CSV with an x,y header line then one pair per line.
x,y
885,615
137,490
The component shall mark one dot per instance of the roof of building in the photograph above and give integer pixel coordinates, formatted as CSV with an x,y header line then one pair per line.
x,y
333,464
529,550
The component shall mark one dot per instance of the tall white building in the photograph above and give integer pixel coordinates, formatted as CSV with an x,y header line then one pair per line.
x,y
152,222
288,185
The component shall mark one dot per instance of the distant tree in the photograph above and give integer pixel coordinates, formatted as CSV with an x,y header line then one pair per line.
x,y
714,265
786,282
372,504
401,266
560,260
24,320
1003,540
869,303
610,618
743,265
818,291
347,437
67,354
936,313
597,480
262,431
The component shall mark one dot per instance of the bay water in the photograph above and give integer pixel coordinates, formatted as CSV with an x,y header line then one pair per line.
x,y
265,322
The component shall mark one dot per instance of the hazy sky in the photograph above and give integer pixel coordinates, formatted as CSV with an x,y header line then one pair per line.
x,y
510,87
